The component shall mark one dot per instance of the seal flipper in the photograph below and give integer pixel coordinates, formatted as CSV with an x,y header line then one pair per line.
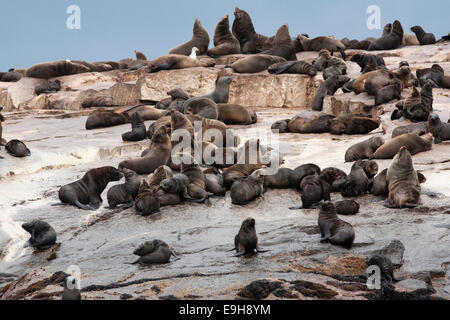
x,y
410,205
83,206
326,235
283,68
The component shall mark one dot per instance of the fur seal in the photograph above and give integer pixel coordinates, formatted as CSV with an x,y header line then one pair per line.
x,y
335,177
138,130
368,62
329,65
245,190
334,230
439,130
423,37
279,180
417,128
10,76
386,267
86,192
140,55
243,30
411,141
302,171
255,63
328,88
178,97
403,183
178,61
178,123
55,69
146,202
347,207
165,198
282,45
412,107
293,67
357,182
370,167
153,252
224,41
146,112
2,119
380,188
42,234
197,186
280,126
435,73
377,81
124,194
353,125
386,94
310,122
235,114
358,85
214,183
159,154
246,241
177,184
95,67
393,40
48,87
314,189
17,148
104,119
200,40
319,43
363,149
201,107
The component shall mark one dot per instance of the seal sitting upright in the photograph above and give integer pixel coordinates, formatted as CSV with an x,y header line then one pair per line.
x,y
246,241
42,234
333,229
224,41
200,40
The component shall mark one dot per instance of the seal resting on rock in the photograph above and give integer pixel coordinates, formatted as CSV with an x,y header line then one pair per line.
x,y
138,130
302,171
293,67
411,141
197,185
347,207
334,230
55,69
319,43
48,87
246,241
403,183
335,177
159,154
314,189
104,119
255,63
17,149
391,41
236,114
224,41
200,40
423,37
417,128
214,183
353,125
153,252
388,93
328,88
368,62
124,194
279,180
146,202
357,182
10,76
310,122
439,130
178,61
140,55
380,188
245,190
329,65
42,234
86,192
364,149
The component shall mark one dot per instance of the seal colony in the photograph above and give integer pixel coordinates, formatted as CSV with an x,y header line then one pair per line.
x,y
168,183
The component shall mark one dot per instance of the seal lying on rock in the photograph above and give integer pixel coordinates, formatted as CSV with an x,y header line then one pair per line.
x,y
403,183
246,241
201,107
309,122
197,186
368,62
245,190
388,93
146,202
329,65
280,126
440,130
293,67
314,189
391,41
10,76
104,119
357,182
255,63
214,183
124,194
235,114
364,149
423,37
279,180
178,61
411,141
224,41
200,40
380,188
335,177
328,88
153,252
48,87
353,125
177,184
42,234
417,128
17,148
347,207
333,229
86,192
319,43
138,130
55,69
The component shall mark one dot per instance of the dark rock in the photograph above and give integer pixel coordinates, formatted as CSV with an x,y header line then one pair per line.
x,y
311,289
393,251
126,296
169,297
283,293
259,289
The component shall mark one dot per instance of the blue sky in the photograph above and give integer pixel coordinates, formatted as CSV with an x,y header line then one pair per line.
x,y
35,31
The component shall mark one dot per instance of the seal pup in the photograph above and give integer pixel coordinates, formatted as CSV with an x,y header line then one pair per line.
x,y
10,76
177,98
245,190
335,177
302,171
177,184
124,194
255,63
393,40
17,149
178,61
86,192
329,65
103,119
386,267
419,128
439,130
197,185
159,154
357,182
201,107
403,183
414,143
55,69
423,37
347,207
138,130
224,41
246,241
293,67
368,62
386,94
244,31
146,202
328,88
153,252
363,149
140,55
314,189
48,87
282,45
279,180
370,167
42,234
200,39
334,230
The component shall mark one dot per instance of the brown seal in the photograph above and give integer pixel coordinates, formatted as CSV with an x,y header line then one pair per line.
x,y
357,182
47,87
213,129
219,95
201,107
417,128
370,167
17,149
11,76
197,185
86,192
368,62
138,130
200,40
377,81
178,61
329,65
235,114
279,180
282,45
140,55
328,88
163,121
353,125
43,235
104,119
347,207
214,182
364,149
439,130
335,177
314,189
146,112
177,98
155,180
224,41
302,171
55,69
359,85
146,202
153,252
412,107
95,67
178,123
255,63
159,154
333,229
293,67
245,190
246,241
243,30
380,188
124,194
423,37
310,122
280,126
411,141
393,40
403,183
319,43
